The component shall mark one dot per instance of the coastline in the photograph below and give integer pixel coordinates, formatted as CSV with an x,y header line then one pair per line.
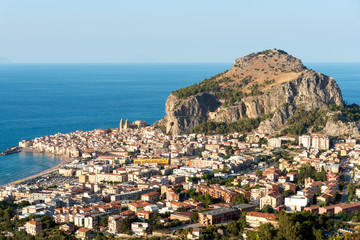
x,y
64,160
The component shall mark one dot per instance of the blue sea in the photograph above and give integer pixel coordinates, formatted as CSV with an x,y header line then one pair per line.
x,y
43,99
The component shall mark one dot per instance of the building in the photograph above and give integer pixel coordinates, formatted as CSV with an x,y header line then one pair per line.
x,y
254,219
273,199
274,142
33,227
138,228
145,215
349,208
313,209
257,194
160,161
137,206
150,197
315,141
218,216
67,228
224,214
83,233
139,123
182,216
195,234
114,223
174,179
296,202
218,192
124,126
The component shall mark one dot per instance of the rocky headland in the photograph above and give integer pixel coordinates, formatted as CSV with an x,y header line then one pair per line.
x,y
270,91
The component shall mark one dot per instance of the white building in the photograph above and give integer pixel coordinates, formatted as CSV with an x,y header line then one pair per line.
x,y
315,141
138,228
296,202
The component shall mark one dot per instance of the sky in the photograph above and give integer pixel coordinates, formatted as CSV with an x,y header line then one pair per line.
x,y
81,31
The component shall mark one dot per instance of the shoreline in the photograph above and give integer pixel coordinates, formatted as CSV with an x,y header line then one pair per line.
x,y
64,160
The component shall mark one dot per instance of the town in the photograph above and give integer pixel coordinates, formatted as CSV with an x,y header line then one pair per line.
x,y
135,181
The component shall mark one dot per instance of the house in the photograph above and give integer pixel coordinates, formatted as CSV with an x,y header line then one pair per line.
x,y
273,199
254,219
328,209
324,199
292,176
150,197
127,214
195,234
257,194
83,234
138,228
313,209
114,223
349,208
67,228
137,206
337,208
33,227
146,215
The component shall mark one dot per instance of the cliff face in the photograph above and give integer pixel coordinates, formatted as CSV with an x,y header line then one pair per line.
x,y
270,82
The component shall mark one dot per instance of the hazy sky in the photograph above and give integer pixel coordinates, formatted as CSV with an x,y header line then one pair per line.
x,y
177,31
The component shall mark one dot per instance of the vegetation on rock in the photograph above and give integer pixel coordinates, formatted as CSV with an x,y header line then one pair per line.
x,y
242,125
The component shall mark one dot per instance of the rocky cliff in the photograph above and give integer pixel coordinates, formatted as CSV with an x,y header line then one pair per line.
x,y
270,85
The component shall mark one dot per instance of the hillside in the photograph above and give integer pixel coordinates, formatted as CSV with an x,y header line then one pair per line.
x,y
270,91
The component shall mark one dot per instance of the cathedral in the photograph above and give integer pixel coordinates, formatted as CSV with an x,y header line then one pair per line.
x,y
124,126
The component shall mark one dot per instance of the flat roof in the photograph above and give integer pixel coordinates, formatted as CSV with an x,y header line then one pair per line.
x,y
219,211
243,206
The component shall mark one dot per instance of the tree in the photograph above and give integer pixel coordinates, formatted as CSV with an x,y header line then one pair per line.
x,y
287,228
251,235
104,221
241,222
351,189
233,228
23,204
125,226
229,151
320,176
194,180
267,209
263,141
319,235
288,192
100,236
266,231
47,222
305,171
239,199
8,213
194,217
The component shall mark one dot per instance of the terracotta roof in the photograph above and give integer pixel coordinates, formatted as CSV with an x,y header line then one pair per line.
x,y
268,216
35,222
84,230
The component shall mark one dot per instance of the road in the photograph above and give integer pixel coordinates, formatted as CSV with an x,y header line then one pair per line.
x,y
348,177
197,225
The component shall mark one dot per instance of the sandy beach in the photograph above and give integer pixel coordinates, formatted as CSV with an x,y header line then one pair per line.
x,y
65,160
